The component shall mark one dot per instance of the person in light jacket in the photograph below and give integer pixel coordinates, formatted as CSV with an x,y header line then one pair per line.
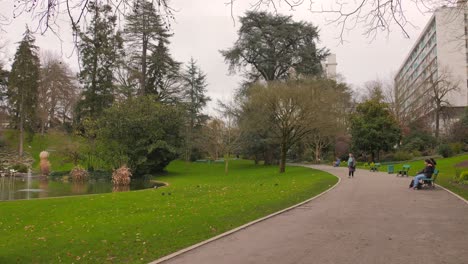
x,y
351,165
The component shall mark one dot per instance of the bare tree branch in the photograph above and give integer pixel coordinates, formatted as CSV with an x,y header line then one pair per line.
x,y
46,12
376,16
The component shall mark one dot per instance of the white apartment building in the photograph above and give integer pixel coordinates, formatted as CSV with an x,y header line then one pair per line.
x,y
329,66
440,51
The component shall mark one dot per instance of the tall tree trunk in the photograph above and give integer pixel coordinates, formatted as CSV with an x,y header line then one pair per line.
x,y
317,153
282,166
143,65
21,139
268,155
437,123
226,163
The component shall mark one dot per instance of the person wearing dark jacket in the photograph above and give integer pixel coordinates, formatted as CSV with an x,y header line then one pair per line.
x,y
426,172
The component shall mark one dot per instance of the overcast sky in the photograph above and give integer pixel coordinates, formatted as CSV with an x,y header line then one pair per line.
x,y
203,27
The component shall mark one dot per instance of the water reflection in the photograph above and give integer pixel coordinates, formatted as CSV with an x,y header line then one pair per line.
x,y
79,187
121,188
16,188
44,186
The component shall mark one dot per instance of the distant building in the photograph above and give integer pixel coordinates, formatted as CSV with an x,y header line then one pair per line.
x,y
440,50
329,66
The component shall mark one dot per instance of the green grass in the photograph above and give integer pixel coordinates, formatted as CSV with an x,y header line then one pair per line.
x,y
446,175
141,226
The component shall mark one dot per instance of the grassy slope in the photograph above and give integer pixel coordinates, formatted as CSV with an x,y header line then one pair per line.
x,y
51,142
140,226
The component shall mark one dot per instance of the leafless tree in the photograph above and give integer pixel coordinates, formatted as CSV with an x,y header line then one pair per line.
x,y
58,92
439,88
213,138
231,133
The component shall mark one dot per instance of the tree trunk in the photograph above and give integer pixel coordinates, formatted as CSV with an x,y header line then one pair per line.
x,y
268,156
143,65
317,153
226,163
282,166
21,139
437,124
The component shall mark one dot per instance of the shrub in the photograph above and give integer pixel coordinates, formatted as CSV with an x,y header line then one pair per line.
x,y
402,155
463,178
121,176
78,174
456,147
388,157
19,167
139,132
445,151
416,153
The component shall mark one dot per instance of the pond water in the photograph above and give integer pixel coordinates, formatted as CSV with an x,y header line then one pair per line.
x,y
19,188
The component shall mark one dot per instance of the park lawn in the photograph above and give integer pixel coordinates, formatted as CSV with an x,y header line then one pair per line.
x,y
446,174
141,226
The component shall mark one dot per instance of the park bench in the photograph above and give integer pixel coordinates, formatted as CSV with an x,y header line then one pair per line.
x,y
404,171
374,167
430,182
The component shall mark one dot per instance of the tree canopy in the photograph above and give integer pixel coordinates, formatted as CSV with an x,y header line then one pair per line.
x,y
141,133
285,113
373,128
269,46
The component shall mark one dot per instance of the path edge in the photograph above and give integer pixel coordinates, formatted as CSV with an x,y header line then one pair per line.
x,y
456,195
185,250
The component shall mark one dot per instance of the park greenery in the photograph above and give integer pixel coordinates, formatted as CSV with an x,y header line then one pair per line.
x,y
132,108
140,226
132,104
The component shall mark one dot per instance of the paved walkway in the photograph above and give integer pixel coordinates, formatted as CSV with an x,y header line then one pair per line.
x,y
373,218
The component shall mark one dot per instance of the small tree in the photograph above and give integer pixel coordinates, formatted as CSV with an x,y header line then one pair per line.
x,y
195,99
141,133
373,128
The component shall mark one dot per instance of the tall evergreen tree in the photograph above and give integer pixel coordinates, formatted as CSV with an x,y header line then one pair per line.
x,y
23,86
163,74
100,48
194,94
3,89
144,31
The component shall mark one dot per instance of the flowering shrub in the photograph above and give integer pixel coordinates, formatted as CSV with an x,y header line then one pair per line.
x,y
78,173
121,176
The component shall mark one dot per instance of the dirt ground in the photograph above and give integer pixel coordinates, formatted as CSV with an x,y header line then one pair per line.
x,y
371,218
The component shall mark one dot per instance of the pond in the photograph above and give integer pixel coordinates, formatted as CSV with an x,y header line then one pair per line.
x,y
20,188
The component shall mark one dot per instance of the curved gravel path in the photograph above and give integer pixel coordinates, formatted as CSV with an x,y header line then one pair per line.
x,y
373,218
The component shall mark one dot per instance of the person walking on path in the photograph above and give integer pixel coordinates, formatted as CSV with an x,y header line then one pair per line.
x,y
351,165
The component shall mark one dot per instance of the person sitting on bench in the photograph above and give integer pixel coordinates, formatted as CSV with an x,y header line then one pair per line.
x,y
426,172
337,162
